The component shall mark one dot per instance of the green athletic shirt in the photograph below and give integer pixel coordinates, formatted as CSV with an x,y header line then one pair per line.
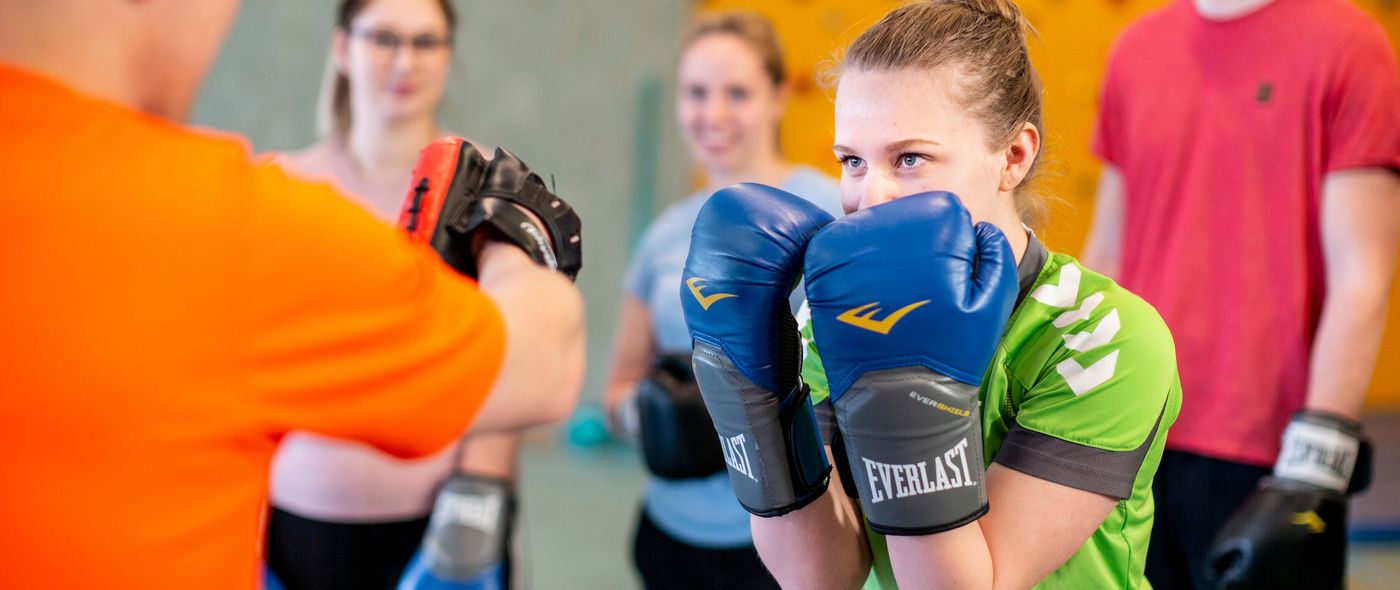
x,y
1081,392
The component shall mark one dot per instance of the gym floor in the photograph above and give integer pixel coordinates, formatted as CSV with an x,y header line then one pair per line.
x,y
580,506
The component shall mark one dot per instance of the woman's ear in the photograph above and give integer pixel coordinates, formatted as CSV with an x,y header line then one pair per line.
x,y
340,41
1020,156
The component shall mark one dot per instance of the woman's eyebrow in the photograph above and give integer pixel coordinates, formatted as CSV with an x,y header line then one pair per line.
x,y
908,143
893,147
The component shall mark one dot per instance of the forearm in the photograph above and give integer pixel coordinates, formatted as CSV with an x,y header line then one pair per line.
x,y
1032,528
1104,242
542,373
632,351
1346,346
821,545
1360,231
1101,254
492,454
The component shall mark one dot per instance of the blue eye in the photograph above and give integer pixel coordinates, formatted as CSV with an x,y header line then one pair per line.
x,y
852,162
910,160
738,94
696,92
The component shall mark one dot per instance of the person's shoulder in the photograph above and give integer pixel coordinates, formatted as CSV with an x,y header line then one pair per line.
x,y
315,160
75,120
1153,26
186,151
276,182
1346,32
1339,20
1070,285
1115,295
679,216
1075,315
165,158
1096,362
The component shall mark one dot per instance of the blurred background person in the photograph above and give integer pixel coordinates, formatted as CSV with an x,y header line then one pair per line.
x,y
181,307
346,515
1251,193
732,92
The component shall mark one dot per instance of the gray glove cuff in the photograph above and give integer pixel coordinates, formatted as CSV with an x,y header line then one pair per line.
x,y
772,447
471,526
914,441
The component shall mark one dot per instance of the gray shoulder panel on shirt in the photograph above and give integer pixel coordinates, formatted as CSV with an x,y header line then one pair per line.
x,y
1081,467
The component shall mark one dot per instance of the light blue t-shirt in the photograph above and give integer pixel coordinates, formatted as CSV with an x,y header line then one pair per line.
x,y
701,512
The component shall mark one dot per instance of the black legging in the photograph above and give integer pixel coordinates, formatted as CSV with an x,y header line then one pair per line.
x,y
308,554
1194,495
668,564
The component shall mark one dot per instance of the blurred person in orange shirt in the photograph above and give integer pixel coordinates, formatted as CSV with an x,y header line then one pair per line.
x,y
171,309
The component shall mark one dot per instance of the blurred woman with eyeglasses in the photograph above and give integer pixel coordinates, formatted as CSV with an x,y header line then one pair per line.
x,y
345,515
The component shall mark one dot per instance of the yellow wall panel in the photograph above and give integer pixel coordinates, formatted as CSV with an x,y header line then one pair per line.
x,y
1074,39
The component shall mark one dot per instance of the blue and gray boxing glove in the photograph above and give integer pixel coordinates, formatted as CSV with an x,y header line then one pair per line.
x,y
908,301
745,258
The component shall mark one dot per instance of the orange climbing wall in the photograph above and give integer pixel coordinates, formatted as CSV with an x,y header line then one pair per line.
x,y
1074,38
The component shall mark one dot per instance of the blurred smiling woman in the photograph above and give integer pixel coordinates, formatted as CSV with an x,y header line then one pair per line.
x,y
733,91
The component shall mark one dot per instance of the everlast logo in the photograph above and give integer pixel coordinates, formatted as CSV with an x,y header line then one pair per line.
x,y
696,285
478,512
1303,453
895,480
863,317
541,245
735,455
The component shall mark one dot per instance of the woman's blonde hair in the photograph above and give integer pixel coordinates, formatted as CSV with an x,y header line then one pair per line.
x,y
986,39
750,27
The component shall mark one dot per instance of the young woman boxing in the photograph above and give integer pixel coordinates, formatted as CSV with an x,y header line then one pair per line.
x,y
997,409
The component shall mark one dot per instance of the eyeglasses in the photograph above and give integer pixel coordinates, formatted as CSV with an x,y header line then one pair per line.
x,y
390,42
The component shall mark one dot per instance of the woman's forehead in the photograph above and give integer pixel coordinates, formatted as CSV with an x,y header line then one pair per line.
x,y
409,15
719,55
897,105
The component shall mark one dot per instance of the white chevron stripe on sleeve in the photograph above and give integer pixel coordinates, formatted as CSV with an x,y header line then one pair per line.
x,y
1063,294
1087,307
1082,379
1099,336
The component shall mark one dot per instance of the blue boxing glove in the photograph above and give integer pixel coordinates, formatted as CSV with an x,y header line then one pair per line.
x,y
468,542
908,302
745,258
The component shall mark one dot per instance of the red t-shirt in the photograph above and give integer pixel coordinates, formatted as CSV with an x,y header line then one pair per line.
x,y
1223,132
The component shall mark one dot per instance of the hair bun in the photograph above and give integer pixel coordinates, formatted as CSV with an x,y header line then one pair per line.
x,y
1004,9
